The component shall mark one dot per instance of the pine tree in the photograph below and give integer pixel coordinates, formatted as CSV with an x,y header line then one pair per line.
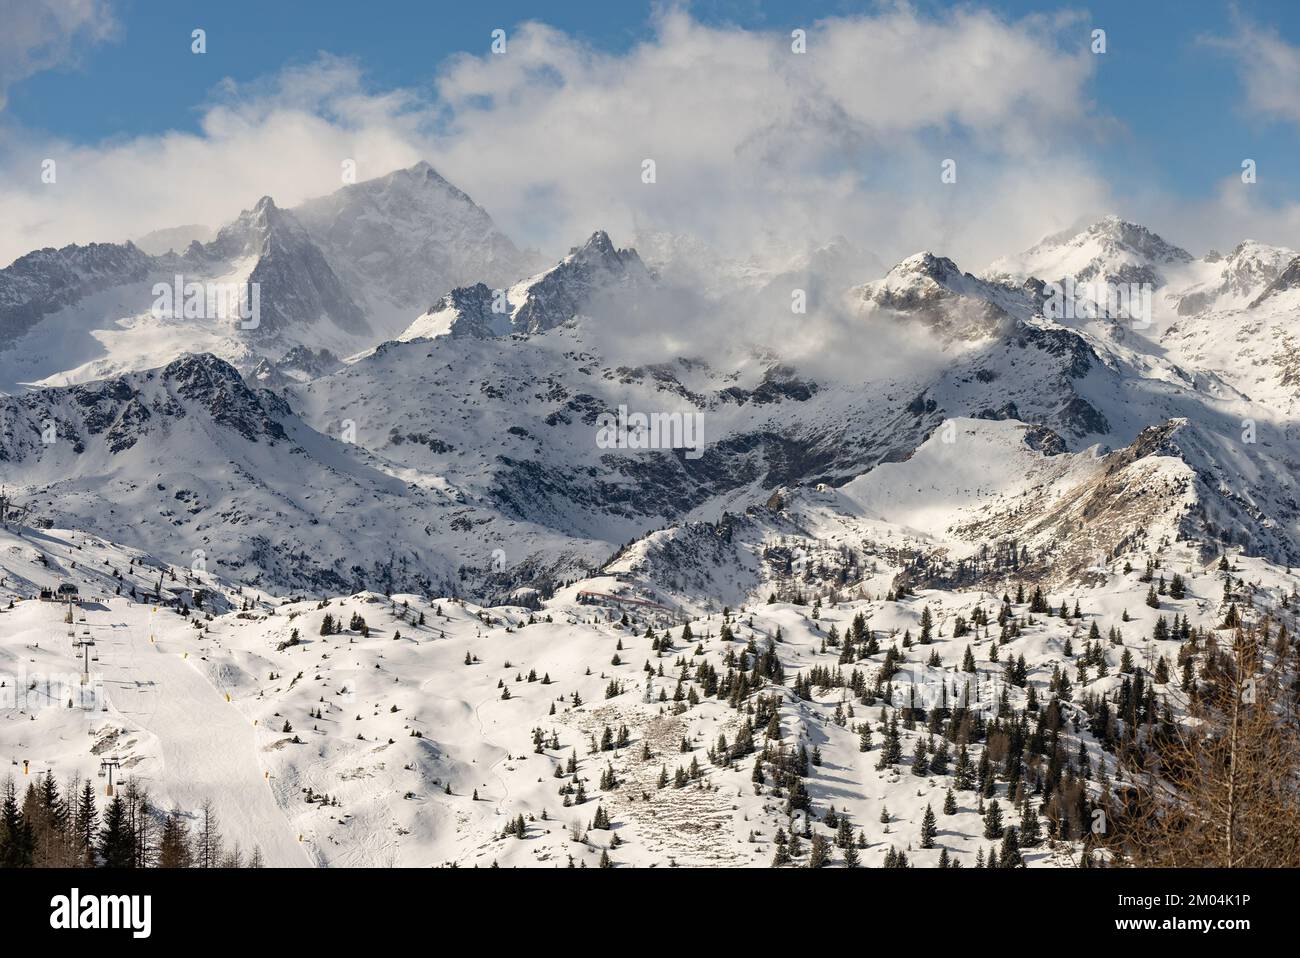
x,y
1010,855
46,815
116,842
993,820
819,855
174,846
963,775
85,825
843,826
929,828
892,753
920,761
207,843
15,834
1031,833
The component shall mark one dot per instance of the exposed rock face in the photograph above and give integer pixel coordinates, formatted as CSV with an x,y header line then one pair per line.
x,y
40,283
297,286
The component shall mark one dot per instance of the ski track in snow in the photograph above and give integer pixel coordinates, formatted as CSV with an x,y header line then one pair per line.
x,y
209,749
505,753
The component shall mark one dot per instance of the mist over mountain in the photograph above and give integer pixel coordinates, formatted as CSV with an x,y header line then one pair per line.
x,y
490,390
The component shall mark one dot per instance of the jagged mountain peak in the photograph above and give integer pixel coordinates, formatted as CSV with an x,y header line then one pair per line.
x,y
254,230
47,280
933,290
1118,233
421,175
84,257
597,268
561,293
297,287
266,219
206,363
1244,277
599,250
1111,249
202,371
419,184
405,238
941,269
599,243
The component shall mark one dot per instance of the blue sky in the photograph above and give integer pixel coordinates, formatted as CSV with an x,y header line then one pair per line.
x,y
1169,110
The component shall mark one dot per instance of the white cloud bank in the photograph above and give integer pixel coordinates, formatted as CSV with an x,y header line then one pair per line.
x,y
756,147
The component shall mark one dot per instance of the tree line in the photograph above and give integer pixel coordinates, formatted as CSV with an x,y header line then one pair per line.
x,y
49,827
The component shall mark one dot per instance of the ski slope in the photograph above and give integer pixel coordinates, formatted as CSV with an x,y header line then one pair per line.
x,y
209,748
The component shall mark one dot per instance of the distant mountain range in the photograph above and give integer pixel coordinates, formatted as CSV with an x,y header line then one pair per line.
x,y
418,393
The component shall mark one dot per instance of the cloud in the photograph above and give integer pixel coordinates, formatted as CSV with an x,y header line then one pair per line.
x,y
40,34
1232,213
1269,68
755,145
286,136
757,149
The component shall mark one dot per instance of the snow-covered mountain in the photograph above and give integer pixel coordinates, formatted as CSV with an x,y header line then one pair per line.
x,y
1109,250
956,305
403,240
49,280
589,275
425,432
495,398
188,459
344,272
414,730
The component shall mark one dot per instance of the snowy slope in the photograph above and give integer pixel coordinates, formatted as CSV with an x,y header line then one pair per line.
x,y
189,458
393,741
